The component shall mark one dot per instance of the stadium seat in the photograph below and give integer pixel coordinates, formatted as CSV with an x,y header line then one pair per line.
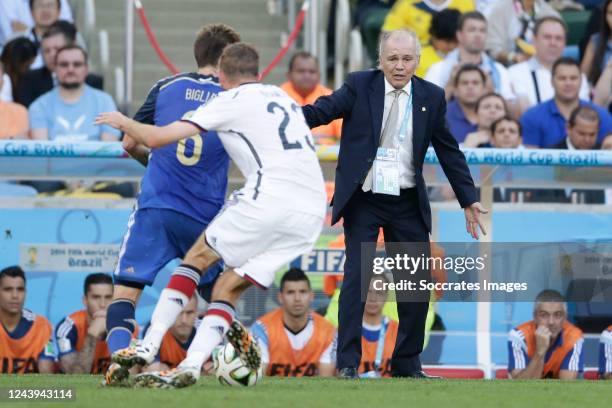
x,y
471,373
576,24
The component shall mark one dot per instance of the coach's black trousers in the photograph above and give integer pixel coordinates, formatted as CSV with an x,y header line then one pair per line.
x,y
401,221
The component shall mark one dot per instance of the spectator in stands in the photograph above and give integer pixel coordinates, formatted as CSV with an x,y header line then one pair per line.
x,y
44,14
471,36
16,18
469,86
9,24
599,49
442,39
506,133
602,94
17,56
416,15
582,128
295,341
512,28
68,111
378,332
544,125
548,346
177,340
39,81
80,336
370,16
605,354
531,79
13,117
26,339
304,86
489,108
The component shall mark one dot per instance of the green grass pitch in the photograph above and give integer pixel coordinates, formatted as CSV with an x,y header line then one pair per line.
x,y
317,392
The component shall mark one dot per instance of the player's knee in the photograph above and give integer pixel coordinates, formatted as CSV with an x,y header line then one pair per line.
x,y
126,292
229,286
201,256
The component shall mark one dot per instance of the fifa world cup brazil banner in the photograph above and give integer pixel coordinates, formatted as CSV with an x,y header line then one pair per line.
x,y
514,157
86,258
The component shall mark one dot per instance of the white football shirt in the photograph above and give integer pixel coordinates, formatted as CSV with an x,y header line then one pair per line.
x,y
265,133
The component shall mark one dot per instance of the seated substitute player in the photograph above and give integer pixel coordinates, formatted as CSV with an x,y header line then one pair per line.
x,y
547,346
605,354
294,340
80,335
378,333
182,190
26,339
177,340
277,215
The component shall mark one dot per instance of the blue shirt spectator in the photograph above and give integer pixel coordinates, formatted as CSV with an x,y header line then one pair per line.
x,y
468,87
72,121
544,125
458,123
68,111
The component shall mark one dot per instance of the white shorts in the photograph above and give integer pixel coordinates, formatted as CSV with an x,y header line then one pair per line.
x,y
257,240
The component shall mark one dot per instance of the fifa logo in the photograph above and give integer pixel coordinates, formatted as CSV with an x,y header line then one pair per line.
x,y
33,254
566,265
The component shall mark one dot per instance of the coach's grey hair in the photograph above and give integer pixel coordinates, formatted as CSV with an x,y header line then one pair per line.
x,y
385,35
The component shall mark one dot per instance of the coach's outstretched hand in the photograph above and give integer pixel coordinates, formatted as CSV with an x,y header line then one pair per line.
x,y
472,219
114,119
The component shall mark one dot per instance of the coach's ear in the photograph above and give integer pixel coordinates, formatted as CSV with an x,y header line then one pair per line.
x,y
85,301
279,298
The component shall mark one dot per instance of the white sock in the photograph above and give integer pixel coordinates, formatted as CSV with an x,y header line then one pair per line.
x,y
209,335
170,304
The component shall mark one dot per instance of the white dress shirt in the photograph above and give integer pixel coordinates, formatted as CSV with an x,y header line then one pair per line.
x,y
405,149
440,73
523,85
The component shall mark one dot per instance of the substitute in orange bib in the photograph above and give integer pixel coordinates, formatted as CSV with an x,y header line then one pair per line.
x,y
80,336
295,341
547,346
177,340
26,339
378,334
303,85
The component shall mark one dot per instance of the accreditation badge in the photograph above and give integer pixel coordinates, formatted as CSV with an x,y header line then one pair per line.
x,y
386,172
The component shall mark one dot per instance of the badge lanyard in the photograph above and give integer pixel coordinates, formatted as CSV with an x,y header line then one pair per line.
x,y
407,116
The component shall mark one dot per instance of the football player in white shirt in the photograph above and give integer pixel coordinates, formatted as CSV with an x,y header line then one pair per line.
x,y
273,219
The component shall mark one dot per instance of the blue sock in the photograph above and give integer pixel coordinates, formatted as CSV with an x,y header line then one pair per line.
x,y
120,324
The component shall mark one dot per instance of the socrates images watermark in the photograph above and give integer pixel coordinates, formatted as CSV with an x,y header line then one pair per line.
x,y
409,266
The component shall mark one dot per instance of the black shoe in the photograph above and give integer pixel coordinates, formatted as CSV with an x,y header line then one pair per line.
x,y
420,375
348,373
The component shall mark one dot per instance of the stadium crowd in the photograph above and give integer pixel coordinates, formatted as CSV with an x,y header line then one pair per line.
x,y
495,59
510,81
